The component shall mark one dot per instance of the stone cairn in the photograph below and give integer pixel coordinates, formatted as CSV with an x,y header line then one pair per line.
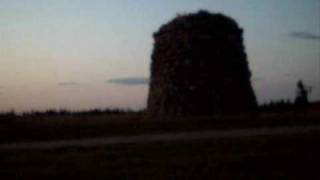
x,y
199,67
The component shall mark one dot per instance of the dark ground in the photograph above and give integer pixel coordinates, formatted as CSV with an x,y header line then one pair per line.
x,y
64,127
268,157
264,157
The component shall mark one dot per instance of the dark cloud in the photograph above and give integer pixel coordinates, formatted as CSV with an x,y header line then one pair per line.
x,y
130,81
304,35
68,84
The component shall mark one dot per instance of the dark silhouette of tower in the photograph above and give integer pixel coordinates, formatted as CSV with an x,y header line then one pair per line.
x,y
199,67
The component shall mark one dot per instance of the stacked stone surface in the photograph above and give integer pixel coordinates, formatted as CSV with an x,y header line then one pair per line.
x,y
199,67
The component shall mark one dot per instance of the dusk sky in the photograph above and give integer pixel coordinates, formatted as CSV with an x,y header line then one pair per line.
x,y
84,54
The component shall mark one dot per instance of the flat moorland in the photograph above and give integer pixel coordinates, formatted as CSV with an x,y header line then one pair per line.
x,y
62,127
263,157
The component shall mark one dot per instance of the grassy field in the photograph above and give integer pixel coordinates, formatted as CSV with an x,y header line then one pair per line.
x,y
261,157
267,157
43,128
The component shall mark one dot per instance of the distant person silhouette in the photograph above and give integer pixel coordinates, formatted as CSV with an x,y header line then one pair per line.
x,y
301,100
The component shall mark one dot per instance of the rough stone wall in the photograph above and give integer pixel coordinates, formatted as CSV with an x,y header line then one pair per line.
x,y
199,67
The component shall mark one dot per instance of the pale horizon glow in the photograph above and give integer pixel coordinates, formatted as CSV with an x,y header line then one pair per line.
x,y
58,54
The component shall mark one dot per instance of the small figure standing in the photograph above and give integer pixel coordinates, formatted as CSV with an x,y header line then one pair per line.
x,y
302,100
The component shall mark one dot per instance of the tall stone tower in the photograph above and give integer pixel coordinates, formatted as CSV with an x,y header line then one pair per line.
x,y
199,67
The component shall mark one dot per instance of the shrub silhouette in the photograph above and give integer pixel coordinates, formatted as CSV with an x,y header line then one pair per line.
x,y
278,106
199,67
301,99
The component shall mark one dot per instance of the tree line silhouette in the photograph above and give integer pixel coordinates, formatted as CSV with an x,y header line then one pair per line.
x,y
300,103
52,113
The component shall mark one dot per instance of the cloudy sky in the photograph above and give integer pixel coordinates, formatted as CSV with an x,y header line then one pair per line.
x,y
84,54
